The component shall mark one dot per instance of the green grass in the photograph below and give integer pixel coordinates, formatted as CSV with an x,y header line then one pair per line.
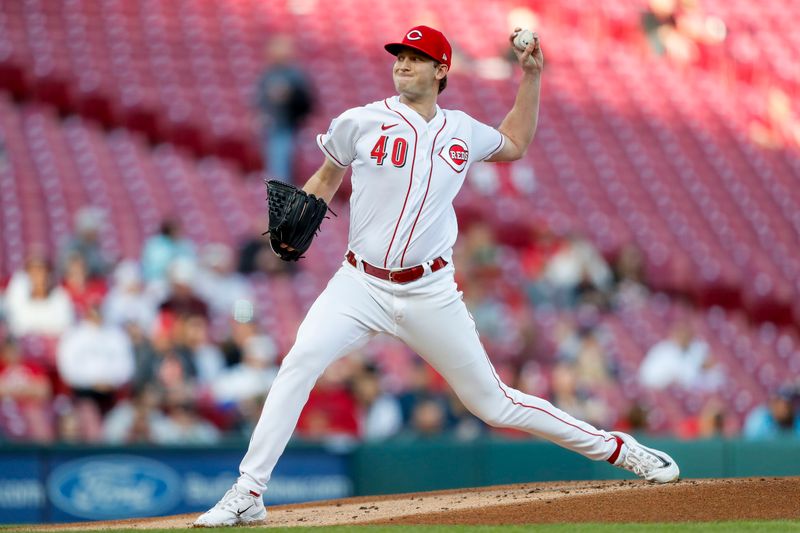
x,y
693,527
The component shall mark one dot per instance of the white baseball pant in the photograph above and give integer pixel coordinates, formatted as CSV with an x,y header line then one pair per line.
x,y
429,315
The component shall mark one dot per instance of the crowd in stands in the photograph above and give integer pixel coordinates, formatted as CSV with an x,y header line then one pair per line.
x,y
165,349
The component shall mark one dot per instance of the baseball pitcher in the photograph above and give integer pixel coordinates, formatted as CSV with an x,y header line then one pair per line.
x,y
409,159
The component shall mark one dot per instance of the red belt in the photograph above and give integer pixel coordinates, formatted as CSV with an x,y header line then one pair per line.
x,y
405,275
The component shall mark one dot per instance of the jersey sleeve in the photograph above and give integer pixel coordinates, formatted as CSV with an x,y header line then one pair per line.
x,y
339,142
486,141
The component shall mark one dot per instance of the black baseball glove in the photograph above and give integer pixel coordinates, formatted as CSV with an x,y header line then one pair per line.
x,y
294,219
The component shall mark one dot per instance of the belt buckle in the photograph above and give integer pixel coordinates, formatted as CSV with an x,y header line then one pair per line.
x,y
391,276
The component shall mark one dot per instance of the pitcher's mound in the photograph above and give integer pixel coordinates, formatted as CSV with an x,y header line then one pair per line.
x,y
530,503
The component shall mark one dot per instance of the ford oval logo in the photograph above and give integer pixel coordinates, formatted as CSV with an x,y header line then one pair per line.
x,y
114,486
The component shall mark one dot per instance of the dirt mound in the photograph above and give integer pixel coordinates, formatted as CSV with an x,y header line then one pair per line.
x,y
582,501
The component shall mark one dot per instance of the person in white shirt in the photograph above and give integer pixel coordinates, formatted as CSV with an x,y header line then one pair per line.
x,y
95,359
683,360
35,304
250,378
409,158
217,282
128,301
574,265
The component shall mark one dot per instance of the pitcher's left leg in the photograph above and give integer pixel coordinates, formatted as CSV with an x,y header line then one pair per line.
x,y
439,328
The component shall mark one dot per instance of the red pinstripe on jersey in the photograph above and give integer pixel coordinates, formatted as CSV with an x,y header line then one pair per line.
x,y
410,181
500,145
427,188
319,141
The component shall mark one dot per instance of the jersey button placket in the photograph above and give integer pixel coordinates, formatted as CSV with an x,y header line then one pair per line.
x,y
416,184
422,168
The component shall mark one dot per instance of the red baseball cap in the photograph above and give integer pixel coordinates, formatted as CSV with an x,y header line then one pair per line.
x,y
423,39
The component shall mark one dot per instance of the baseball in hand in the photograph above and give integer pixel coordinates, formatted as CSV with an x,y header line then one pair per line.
x,y
523,39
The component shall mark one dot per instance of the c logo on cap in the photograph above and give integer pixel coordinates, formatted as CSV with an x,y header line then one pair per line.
x,y
414,35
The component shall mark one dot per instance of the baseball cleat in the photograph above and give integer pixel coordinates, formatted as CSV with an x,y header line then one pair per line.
x,y
234,509
652,465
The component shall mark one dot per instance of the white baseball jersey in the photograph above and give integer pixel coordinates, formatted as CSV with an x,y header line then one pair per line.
x,y
406,173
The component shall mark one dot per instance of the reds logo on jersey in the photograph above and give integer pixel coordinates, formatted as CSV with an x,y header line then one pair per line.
x,y
455,153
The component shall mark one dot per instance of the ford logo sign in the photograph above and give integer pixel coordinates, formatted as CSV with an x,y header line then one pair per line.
x,y
114,486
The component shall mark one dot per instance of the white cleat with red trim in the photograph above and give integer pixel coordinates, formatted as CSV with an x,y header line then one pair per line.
x,y
238,507
652,465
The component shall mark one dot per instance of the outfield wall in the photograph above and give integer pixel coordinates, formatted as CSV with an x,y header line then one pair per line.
x,y
429,465
67,483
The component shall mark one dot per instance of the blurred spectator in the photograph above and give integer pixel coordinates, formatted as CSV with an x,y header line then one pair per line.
x,y
127,301
181,298
70,426
681,30
193,339
428,419
633,420
283,97
501,334
216,281
162,249
182,423
657,20
542,245
95,360
144,355
25,395
173,370
481,251
233,346
134,420
500,312
380,416
534,257
595,370
578,401
256,255
35,303
533,379
424,404
777,124
713,420
420,386
460,421
779,417
252,377
175,376
331,408
568,338
682,359
580,346
84,291
577,273
85,243
628,271
664,24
